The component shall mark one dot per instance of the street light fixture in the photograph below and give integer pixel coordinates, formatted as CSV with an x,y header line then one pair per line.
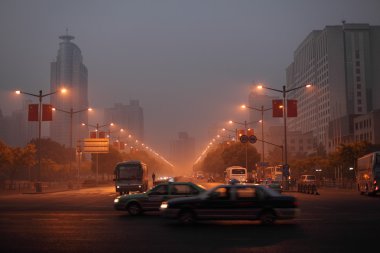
x,y
71,113
262,110
40,95
284,91
97,127
245,123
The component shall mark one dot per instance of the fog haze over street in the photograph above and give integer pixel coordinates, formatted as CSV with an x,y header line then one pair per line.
x,y
189,63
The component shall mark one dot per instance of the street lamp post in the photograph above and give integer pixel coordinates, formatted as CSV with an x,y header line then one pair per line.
x,y
245,124
97,127
71,113
39,96
284,91
262,110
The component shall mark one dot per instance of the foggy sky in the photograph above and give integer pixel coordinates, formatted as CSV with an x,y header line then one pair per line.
x,y
189,63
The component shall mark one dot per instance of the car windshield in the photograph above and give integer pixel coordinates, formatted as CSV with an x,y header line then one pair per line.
x,y
269,191
129,172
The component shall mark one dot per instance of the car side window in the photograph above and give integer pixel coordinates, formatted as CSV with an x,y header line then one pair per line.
x,y
160,190
221,193
182,189
245,193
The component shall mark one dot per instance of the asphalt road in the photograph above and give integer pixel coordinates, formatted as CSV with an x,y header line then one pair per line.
x,y
85,221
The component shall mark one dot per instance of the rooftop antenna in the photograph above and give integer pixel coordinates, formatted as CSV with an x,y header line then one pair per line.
x,y
67,37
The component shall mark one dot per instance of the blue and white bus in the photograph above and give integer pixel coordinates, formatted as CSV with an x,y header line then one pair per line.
x,y
368,176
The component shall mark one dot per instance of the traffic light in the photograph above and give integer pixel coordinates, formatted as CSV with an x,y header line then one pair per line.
x,y
250,132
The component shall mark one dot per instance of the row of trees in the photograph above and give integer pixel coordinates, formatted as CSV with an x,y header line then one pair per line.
x,y
326,165
21,163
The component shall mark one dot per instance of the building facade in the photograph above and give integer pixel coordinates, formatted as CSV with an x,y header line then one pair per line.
x,y
68,71
129,117
182,151
24,132
343,65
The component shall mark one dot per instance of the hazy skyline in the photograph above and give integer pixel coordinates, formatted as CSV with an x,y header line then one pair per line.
x,y
189,63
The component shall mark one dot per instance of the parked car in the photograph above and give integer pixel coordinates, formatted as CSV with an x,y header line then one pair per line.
x,y
232,202
308,179
151,200
273,184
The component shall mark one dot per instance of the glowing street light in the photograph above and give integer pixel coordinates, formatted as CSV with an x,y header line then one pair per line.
x,y
40,95
284,91
71,113
262,110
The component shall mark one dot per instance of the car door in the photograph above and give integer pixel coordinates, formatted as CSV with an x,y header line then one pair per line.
x,y
156,196
247,203
217,205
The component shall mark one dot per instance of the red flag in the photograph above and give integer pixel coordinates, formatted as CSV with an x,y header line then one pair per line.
x,y
102,135
292,108
277,108
47,112
92,134
33,112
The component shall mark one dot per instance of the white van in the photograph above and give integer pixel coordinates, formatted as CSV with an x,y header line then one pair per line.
x,y
308,179
236,172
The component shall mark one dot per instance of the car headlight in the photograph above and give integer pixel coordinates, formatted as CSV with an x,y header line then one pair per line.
x,y
116,201
164,205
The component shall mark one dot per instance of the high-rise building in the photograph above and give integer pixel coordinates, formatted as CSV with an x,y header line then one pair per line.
x,y
129,117
24,133
182,151
69,71
342,63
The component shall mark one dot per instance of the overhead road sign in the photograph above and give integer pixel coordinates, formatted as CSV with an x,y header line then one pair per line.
x,y
95,145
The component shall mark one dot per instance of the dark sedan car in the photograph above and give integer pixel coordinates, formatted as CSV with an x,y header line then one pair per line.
x,y
233,202
151,200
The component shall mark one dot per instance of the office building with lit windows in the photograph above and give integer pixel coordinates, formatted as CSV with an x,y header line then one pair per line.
x,y
342,63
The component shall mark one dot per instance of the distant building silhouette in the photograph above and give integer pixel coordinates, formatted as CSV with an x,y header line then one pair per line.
x,y
24,132
69,71
129,117
182,151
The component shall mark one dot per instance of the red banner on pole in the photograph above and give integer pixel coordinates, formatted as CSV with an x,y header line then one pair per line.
x,y
33,112
277,108
102,135
92,134
47,112
292,108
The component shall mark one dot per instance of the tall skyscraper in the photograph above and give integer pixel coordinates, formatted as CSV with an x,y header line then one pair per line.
x,y
182,151
342,63
129,117
69,71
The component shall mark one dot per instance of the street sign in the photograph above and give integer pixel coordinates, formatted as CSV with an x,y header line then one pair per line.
x,y
252,139
95,145
244,138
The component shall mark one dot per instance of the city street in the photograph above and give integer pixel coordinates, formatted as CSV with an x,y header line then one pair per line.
x,y
84,221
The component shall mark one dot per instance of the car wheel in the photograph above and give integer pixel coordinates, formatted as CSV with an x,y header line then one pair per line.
x,y
186,217
134,209
267,218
